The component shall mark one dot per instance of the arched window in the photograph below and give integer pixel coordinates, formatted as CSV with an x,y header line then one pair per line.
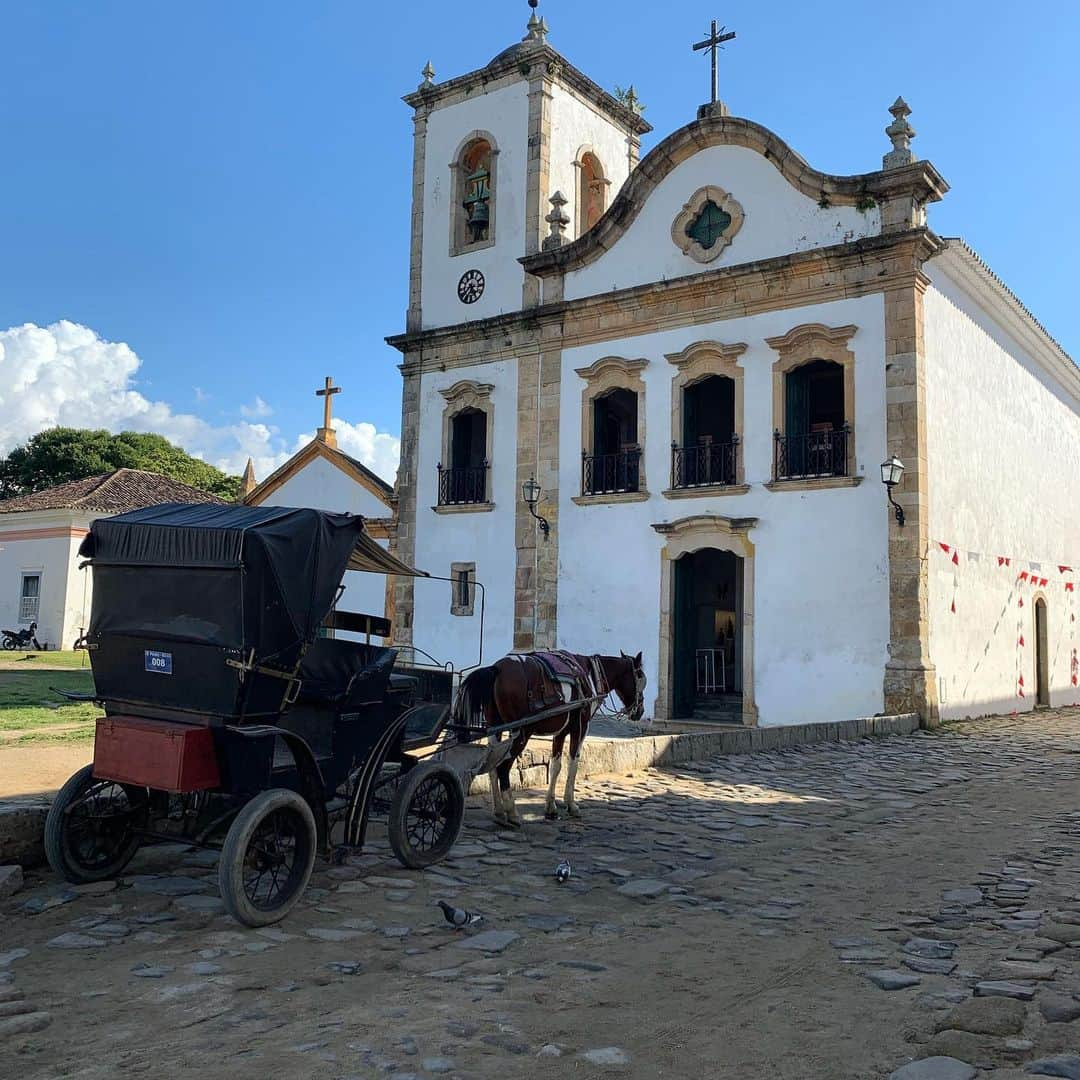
x,y
814,403
464,470
613,429
592,192
474,195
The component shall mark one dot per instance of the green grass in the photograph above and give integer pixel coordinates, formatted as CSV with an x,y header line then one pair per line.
x,y
28,705
54,661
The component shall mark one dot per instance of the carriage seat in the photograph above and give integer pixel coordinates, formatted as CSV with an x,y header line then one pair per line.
x,y
344,674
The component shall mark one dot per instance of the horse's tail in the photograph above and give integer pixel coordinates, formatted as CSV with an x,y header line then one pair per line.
x,y
476,692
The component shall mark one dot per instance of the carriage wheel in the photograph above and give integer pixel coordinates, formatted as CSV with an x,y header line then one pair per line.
x,y
426,815
267,857
93,827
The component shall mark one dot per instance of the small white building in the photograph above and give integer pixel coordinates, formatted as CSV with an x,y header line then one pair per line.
x,y
703,357
40,534
323,477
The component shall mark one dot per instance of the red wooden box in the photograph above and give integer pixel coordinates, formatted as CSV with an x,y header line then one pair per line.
x,y
155,754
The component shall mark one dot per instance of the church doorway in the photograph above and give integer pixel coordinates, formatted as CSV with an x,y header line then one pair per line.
x,y
707,645
1042,664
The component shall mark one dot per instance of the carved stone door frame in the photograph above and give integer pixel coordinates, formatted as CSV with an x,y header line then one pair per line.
x,y
684,537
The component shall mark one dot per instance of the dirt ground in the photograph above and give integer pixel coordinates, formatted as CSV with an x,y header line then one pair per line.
x,y
722,921
39,767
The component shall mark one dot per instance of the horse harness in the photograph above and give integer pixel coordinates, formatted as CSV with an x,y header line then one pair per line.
x,y
559,678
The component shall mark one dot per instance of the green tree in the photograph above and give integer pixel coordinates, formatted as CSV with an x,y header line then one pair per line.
x,y
62,454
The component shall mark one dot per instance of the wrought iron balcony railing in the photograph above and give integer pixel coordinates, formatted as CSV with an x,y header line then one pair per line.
x,y
461,486
708,463
608,474
817,454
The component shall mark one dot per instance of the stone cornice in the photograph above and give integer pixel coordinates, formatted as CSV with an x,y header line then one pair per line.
x,y
919,181
520,62
830,273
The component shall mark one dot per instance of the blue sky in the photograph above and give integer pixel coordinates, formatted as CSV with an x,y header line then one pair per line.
x,y
225,187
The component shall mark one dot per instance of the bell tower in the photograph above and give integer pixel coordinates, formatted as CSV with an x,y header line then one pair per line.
x,y
491,149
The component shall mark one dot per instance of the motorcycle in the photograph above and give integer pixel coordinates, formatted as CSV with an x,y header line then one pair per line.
x,y
20,639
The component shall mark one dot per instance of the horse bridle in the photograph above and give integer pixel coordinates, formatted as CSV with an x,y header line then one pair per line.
x,y
603,685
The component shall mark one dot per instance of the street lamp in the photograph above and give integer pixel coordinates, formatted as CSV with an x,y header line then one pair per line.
x,y
530,492
891,473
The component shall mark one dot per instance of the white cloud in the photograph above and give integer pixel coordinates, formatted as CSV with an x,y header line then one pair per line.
x,y
200,394
65,374
258,408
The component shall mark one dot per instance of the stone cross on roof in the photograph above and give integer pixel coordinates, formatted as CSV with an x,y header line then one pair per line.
x,y
714,42
326,432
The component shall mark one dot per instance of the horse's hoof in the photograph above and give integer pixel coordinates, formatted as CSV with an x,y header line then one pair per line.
x,y
551,815
574,812
507,823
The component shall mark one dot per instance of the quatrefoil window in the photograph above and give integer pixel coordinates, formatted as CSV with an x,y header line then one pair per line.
x,y
707,224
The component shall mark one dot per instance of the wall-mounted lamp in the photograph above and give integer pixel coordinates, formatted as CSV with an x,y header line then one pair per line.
x,y
530,492
891,473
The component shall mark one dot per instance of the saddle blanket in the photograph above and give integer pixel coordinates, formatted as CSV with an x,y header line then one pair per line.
x,y
562,678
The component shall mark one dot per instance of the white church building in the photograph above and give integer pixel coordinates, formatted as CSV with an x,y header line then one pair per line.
x,y
703,356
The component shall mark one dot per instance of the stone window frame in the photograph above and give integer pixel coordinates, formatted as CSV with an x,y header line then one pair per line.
x,y
685,537
459,244
693,206
695,363
468,394
457,568
580,225
802,345
601,377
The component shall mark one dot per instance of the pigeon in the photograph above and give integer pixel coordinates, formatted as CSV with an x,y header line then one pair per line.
x,y
459,917
562,871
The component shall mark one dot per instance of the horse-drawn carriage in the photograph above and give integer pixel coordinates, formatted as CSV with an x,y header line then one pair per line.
x,y
233,721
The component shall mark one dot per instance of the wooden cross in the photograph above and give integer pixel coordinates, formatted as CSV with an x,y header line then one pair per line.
x,y
327,392
713,42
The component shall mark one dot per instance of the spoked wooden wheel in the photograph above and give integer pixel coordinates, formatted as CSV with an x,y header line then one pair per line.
x,y
426,815
93,828
267,857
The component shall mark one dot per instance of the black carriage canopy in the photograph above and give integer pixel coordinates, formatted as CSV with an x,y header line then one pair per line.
x,y
243,578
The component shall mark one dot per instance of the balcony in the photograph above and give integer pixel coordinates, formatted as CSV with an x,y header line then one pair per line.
x,y
705,465
610,474
816,455
463,486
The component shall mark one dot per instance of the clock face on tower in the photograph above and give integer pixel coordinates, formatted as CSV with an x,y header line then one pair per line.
x,y
471,287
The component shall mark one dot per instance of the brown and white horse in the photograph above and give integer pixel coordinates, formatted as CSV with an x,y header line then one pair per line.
x,y
505,693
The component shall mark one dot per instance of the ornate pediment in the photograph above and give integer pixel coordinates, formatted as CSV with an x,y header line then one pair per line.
x,y
467,394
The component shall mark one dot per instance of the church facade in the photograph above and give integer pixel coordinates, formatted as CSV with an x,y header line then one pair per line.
x,y
703,356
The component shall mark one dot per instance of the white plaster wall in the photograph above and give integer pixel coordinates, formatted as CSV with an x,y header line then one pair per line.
x,y
1003,442
323,486
52,558
505,114
779,220
78,596
576,123
484,538
821,589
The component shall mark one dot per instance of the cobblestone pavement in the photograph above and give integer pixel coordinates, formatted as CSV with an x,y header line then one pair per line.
x,y
835,911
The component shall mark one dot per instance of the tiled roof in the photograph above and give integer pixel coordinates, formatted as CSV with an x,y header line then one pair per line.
x,y
113,493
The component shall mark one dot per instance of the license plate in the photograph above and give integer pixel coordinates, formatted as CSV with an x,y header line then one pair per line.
x,y
160,663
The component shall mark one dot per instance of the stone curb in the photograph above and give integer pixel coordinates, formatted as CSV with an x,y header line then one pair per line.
x,y
22,820
600,756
